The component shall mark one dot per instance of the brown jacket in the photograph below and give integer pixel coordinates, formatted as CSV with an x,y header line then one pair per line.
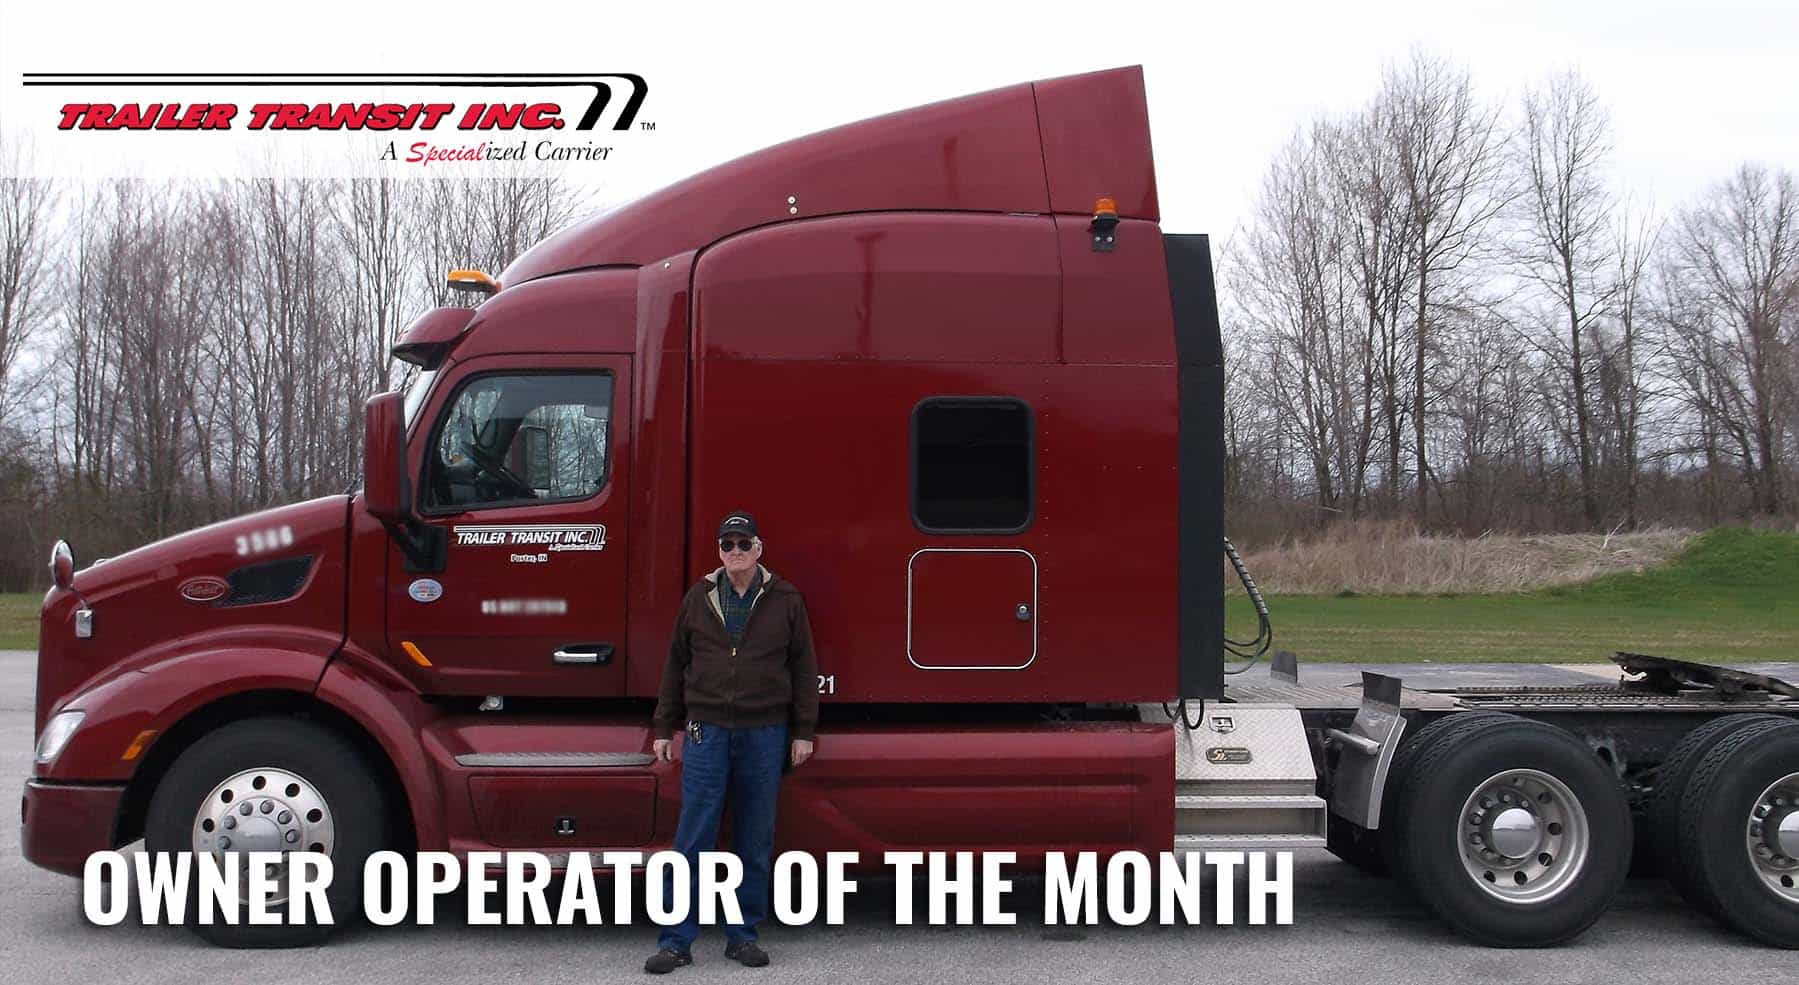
x,y
769,678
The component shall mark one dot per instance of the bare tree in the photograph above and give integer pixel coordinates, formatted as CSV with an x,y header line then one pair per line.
x,y
1301,300
1369,200
1448,148
1565,245
1734,309
27,207
1622,349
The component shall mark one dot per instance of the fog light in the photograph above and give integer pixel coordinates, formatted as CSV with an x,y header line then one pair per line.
x,y
57,734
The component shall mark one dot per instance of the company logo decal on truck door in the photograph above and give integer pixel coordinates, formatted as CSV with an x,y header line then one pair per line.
x,y
547,537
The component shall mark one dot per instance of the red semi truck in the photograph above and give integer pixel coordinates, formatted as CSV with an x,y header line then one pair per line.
x,y
983,396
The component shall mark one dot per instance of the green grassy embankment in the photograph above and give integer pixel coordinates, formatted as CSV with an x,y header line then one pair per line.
x,y
18,620
1732,595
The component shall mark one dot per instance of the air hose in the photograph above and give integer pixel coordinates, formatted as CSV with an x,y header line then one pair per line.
x,y
1248,651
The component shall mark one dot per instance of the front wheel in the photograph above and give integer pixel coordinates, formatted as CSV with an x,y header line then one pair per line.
x,y
272,784
1514,832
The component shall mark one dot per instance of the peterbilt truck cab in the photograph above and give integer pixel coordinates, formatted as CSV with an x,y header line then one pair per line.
x,y
973,394
936,353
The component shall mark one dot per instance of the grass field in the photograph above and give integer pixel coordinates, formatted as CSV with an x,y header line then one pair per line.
x,y
18,620
1731,595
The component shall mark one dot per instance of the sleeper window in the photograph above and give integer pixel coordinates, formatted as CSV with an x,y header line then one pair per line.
x,y
972,464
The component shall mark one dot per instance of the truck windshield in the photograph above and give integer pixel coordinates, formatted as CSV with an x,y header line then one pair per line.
x,y
415,395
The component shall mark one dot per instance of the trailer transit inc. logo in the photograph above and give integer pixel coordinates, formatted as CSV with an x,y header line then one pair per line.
x,y
525,104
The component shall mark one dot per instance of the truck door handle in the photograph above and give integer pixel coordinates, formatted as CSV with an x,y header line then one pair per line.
x,y
583,653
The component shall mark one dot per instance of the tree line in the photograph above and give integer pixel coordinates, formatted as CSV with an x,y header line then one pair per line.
x,y
1444,309
175,353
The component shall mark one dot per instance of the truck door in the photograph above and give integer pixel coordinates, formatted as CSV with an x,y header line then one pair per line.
x,y
522,480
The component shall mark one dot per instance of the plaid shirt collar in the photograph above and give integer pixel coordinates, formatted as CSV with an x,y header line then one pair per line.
x,y
734,607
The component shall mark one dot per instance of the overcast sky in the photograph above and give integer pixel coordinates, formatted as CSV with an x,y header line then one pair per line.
x,y
1693,88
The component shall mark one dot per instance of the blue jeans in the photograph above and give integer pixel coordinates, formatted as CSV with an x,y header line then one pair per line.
x,y
746,764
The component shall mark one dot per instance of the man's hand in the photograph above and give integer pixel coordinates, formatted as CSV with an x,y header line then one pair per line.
x,y
802,751
661,749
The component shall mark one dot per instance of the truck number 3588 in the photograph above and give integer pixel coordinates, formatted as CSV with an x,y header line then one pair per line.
x,y
827,684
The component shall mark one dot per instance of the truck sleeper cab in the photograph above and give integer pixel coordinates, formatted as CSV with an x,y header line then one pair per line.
x,y
985,398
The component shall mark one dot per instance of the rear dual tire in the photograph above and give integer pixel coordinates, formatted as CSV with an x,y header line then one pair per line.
x,y
1658,833
1511,831
1737,833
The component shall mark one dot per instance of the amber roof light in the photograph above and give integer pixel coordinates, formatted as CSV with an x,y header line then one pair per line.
x,y
473,280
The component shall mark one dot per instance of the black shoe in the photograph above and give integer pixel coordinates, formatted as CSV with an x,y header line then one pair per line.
x,y
747,954
668,959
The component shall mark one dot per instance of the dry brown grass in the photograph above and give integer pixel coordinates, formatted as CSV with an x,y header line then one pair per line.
x,y
1390,558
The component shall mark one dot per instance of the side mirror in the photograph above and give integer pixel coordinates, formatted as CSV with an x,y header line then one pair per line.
x,y
62,565
385,491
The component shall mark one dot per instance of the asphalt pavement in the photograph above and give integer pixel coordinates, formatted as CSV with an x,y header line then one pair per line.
x,y
1348,928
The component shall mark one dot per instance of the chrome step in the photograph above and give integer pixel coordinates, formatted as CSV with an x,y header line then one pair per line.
x,y
1223,842
1240,802
558,760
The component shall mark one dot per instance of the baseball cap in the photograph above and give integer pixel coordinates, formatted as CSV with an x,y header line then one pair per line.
x,y
737,522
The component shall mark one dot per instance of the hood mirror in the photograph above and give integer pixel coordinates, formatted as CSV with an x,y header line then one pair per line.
x,y
62,565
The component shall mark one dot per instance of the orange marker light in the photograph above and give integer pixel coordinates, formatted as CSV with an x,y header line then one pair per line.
x,y
473,280
1105,206
137,745
418,657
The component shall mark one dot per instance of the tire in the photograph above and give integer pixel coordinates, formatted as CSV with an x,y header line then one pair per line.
x,y
1372,851
1753,767
324,771
1399,771
1565,817
1657,835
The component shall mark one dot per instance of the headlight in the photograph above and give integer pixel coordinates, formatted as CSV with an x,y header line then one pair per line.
x,y
57,734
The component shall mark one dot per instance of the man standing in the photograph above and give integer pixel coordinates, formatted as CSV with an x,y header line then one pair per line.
x,y
741,673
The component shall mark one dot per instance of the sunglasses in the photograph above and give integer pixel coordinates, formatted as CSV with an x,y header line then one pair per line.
x,y
727,545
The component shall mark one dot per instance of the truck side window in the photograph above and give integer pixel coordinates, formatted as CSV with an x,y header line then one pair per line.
x,y
505,440
973,465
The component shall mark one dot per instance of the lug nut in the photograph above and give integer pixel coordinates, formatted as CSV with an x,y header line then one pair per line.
x,y
293,836
224,841
267,806
230,822
284,817
244,808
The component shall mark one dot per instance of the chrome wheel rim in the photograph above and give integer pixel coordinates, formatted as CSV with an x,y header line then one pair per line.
x,y
264,810
1523,836
1772,837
